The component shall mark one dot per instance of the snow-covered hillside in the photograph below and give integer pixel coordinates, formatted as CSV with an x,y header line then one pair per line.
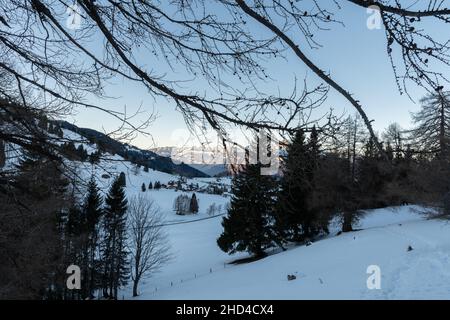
x,y
332,268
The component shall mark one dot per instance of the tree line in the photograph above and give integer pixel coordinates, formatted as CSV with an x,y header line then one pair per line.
x,y
341,175
46,227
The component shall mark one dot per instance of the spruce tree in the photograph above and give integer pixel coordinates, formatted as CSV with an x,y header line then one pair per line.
x,y
143,188
372,177
40,194
294,217
123,179
93,211
318,211
150,186
75,244
114,253
193,205
249,223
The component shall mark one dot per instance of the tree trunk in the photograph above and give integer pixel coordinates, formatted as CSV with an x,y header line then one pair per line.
x,y
135,287
442,140
2,154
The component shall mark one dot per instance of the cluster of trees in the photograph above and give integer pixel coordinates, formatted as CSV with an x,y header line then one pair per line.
x,y
108,236
340,175
214,209
156,185
46,227
183,204
31,246
79,153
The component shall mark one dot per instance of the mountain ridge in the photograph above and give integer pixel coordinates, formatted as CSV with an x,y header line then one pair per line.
x,y
133,154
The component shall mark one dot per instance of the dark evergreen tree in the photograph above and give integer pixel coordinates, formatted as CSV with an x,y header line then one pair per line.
x,y
250,220
75,245
143,188
123,179
2,154
373,174
34,208
319,212
193,205
150,186
294,218
93,211
82,153
94,157
114,253
70,151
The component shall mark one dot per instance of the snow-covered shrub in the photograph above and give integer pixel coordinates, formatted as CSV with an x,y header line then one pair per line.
x,y
212,209
181,204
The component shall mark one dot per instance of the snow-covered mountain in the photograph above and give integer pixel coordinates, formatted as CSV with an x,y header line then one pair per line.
x,y
213,170
131,153
212,165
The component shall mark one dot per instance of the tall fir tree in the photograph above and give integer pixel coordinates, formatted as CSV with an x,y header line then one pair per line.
x,y
93,211
320,217
75,245
193,205
41,190
114,253
373,174
250,220
294,217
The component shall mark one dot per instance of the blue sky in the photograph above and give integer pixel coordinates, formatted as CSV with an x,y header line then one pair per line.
x,y
354,55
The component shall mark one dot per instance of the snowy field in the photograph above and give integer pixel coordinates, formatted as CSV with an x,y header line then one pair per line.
x,y
332,268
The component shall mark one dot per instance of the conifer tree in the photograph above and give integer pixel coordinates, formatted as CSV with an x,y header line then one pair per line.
x,y
93,211
114,253
39,199
294,217
143,188
193,206
249,223
150,186
320,215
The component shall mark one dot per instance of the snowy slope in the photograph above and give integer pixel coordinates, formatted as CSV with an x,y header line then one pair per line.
x,y
333,268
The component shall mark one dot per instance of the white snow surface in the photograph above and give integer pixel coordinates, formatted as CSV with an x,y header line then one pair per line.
x,y
331,268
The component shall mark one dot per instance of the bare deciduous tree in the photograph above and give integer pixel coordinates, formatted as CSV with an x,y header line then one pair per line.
x,y
432,130
148,242
219,41
181,204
